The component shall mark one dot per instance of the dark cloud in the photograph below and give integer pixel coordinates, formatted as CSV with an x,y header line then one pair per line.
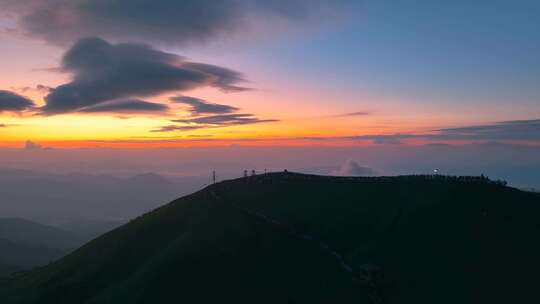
x,y
219,77
200,106
173,128
225,120
213,121
166,21
12,102
104,72
499,132
352,168
392,139
506,130
127,106
516,130
224,116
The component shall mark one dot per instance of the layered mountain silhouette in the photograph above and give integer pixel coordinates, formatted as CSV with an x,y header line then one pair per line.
x,y
30,233
25,244
63,198
292,238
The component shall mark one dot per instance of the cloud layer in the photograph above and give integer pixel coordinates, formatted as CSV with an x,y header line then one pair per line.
x,y
352,114
516,130
352,168
103,72
30,145
506,130
208,115
165,21
224,119
213,121
130,106
12,102
200,106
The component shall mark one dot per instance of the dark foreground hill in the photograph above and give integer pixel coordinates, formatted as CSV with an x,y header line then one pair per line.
x,y
290,238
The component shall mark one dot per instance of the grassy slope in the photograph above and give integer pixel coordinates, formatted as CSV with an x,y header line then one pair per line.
x,y
436,242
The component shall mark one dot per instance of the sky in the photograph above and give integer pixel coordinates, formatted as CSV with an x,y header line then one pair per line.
x,y
95,73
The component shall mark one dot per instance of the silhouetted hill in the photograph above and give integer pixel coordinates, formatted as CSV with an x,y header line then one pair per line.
x,y
25,244
30,233
16,256
291,238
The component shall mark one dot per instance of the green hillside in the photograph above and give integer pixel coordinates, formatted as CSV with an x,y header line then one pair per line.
x,y
291,238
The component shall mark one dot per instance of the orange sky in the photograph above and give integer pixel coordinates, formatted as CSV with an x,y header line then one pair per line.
x,y
301,113
307,81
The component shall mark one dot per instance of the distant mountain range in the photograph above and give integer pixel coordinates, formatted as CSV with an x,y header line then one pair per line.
x,y
292,238
68,210
30,233
56,199
25,244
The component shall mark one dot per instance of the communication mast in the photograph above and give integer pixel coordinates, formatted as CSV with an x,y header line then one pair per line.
x,y
214,176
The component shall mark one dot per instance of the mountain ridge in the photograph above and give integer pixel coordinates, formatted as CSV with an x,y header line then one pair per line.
x,y
201,247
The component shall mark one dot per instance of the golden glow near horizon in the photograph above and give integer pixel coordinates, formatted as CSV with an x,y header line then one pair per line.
x,y
295,126
304,119
304,110
307,80
108,128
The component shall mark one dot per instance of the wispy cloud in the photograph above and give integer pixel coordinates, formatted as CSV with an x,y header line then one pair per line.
x,y
130,106
505,130
225,119
516,130
208,115
352,114
200,106
392,139
173,128
213,121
